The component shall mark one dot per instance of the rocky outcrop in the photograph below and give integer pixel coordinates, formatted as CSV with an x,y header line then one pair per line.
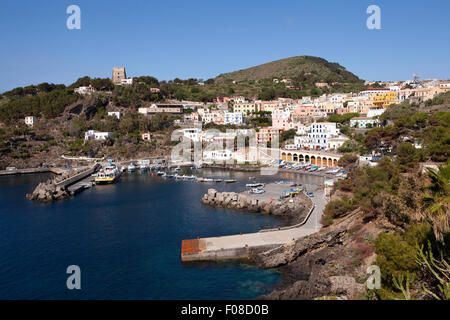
x,y
50,190
295,210
285,254
327,265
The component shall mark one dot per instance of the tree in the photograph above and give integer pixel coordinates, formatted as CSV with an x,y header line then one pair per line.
x,y
436,201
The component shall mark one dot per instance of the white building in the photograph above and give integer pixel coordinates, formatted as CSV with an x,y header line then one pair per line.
x,y
363,122
374,112
126,82
220,156
96,135
235,118
114,114
30,120
319,136
193,134
84,90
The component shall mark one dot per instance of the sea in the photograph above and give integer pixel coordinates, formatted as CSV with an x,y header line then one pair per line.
x,y
126,240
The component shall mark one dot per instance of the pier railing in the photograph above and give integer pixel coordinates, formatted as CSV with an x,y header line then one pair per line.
x,y
67,182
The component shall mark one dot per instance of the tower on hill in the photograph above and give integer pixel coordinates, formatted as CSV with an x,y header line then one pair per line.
x,y
118,75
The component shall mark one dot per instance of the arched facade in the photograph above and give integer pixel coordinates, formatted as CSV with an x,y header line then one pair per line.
x,y
306,156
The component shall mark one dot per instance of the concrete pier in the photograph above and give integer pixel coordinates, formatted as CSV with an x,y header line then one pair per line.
x,y
242,245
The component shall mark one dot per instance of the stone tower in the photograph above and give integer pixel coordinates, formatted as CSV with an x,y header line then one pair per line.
x,y
118,74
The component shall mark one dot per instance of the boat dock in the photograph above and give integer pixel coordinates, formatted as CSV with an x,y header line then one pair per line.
x,y
243,245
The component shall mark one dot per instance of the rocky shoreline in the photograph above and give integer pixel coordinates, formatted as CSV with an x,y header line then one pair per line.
x,y
292,209
330,264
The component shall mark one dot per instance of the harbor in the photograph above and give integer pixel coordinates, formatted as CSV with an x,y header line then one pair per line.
x,y
242,246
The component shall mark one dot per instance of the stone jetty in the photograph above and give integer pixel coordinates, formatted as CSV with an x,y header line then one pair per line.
x,y
294,209
57,188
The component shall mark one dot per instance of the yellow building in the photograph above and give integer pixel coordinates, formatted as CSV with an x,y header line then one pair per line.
x,y
244,107
385,100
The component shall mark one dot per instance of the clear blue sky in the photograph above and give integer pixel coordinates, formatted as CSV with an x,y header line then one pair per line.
x,y
202,39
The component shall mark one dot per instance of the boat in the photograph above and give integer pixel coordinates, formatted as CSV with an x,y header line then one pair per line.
x,y
160,173
208,180
230,181
143,168
251,178
254,185
200,179
131,167
256,191
218,180
109,174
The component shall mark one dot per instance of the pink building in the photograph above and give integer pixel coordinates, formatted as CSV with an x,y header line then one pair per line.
x,y
304,111
281,119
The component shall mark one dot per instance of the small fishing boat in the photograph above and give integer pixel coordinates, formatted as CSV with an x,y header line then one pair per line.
x,y
251,178
218,180
143,168
200,179
230,181
208,180
160,173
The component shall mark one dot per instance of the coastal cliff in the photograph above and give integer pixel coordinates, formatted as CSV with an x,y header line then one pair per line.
x,y
330,264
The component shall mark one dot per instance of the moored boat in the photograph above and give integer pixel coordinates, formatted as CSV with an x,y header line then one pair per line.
x,y
230,181
109,174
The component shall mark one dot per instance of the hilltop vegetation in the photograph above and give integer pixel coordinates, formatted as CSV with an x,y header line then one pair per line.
x,y
312,68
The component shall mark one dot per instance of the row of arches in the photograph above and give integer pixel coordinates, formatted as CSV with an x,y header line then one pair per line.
x,y
317,160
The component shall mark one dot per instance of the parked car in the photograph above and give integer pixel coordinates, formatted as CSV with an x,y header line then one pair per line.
x,y
310,194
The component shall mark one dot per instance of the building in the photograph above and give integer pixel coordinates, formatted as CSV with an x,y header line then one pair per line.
x,y
244,107
217,156
162,108
84,90
281,119
234,118
118,74
318,137
154,90
146,136
363,122
114,114
126,82
385,100
96,135
268,134
30,120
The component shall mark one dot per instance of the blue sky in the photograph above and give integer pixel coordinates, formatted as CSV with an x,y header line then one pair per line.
x,y
202,39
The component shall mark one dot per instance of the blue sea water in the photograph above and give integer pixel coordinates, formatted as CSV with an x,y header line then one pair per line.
x,y
126,238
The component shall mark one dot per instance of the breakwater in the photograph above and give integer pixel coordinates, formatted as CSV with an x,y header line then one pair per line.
x,y
244,246
59,187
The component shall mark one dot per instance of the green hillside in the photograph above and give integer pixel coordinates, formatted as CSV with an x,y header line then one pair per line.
x,y
301,68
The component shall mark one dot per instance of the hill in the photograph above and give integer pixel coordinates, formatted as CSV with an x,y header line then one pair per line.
x,y
301,68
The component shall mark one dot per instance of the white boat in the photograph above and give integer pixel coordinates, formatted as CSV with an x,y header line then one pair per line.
x,y
131,167
109,174
254,185
143,168
160,173
208,180
257,191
